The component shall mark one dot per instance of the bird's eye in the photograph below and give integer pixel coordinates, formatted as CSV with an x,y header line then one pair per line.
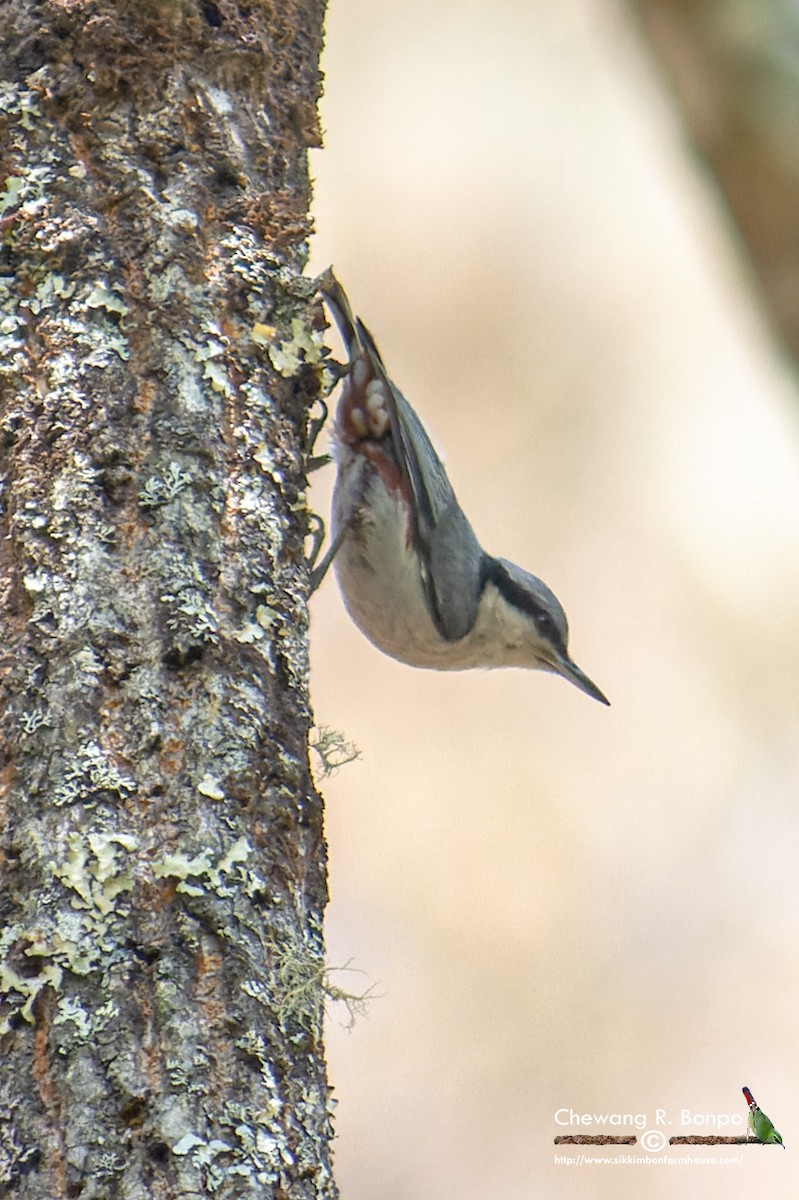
x,y
545,625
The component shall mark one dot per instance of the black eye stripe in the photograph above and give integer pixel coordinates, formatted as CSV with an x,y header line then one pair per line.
x,y
521,598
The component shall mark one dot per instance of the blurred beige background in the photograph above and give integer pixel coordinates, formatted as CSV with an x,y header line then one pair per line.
x,y
562,905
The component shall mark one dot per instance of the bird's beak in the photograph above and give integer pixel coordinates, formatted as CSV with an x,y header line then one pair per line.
x,y
563,665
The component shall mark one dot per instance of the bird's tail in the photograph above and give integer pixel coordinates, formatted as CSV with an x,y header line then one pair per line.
x,y
339,305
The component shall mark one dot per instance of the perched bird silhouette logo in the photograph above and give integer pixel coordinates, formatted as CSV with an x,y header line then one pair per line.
x,y
759,1123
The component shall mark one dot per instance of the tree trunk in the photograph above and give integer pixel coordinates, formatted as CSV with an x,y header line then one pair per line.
x,y
162,865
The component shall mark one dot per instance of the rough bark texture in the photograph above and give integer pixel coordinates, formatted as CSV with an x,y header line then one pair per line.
x,y
162,865
734,69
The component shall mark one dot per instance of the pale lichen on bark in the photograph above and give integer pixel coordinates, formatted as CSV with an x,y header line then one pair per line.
x,y
161,848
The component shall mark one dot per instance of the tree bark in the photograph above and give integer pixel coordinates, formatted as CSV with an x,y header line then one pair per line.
x,y
162,863
733,68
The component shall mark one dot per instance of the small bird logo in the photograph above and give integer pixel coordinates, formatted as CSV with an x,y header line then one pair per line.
x,y
759,1123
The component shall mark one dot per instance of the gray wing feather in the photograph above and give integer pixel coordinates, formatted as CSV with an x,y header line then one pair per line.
x,y
450,554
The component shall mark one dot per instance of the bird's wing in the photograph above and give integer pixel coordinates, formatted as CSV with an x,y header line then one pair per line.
x,y
450,554
452,561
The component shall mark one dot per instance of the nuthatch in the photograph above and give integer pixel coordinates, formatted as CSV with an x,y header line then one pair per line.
x,y
413,575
